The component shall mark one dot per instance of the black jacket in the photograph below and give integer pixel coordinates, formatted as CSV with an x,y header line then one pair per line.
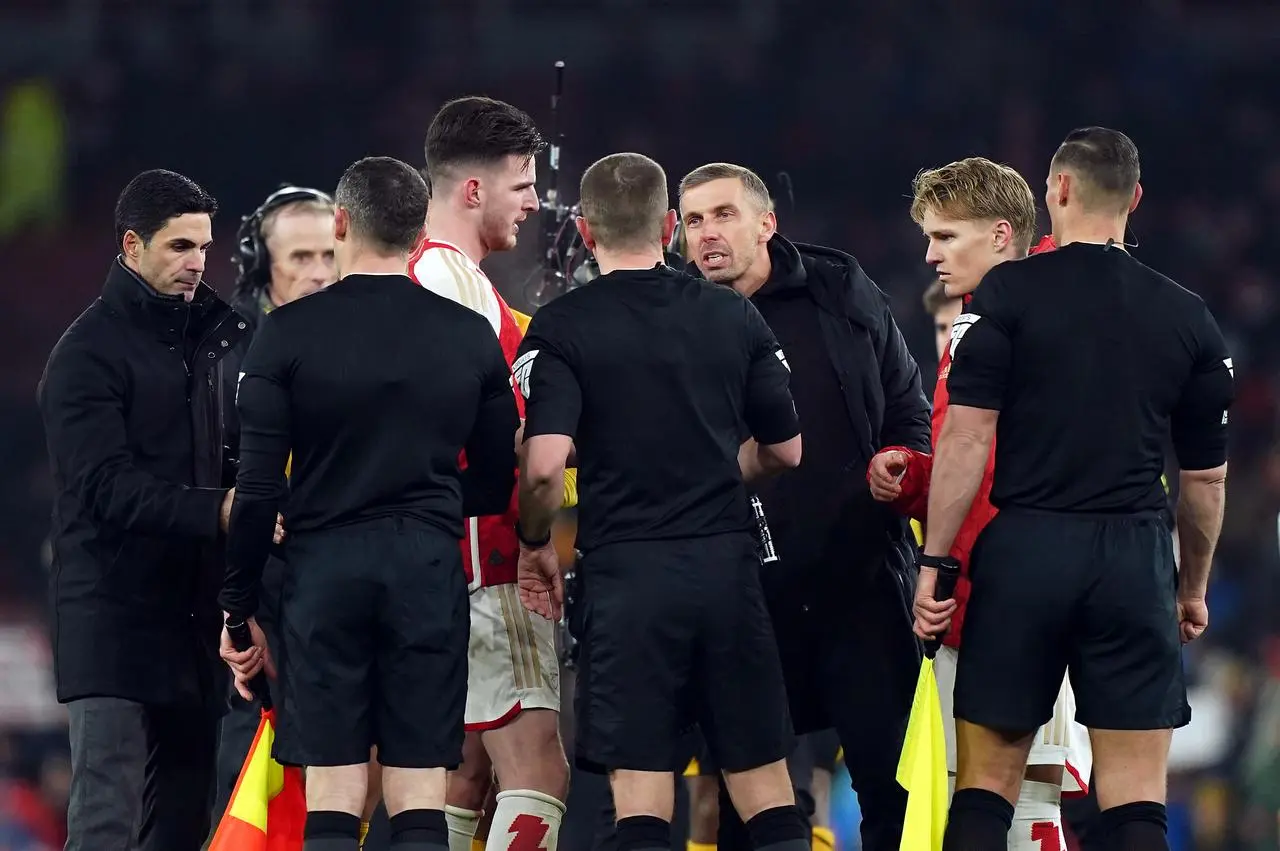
x,y
133,404
883,400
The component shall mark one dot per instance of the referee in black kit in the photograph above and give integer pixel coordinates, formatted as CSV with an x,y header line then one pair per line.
x,y
655,377
1083,361
376,385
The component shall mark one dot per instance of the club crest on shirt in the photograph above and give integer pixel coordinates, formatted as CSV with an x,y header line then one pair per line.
x,y
960,327
521,369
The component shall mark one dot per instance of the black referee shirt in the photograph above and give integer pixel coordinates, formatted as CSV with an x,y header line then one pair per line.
x,y
1093,360
656,375
375,385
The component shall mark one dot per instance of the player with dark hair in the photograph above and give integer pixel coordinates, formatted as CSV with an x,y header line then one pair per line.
x,y
133,407
481,158
654,374
375,386
1076,571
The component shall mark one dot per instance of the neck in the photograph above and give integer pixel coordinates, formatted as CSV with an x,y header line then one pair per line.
x,y
365,261
445,226
1093,229
620,261
756,276
273,296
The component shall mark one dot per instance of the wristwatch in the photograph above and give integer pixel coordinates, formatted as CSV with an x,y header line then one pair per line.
x,y
530,543
937,562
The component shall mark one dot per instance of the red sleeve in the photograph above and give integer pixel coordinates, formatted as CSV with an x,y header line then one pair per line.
x,y
914,500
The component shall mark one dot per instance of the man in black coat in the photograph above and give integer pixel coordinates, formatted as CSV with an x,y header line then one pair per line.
x,y
133,404
838,575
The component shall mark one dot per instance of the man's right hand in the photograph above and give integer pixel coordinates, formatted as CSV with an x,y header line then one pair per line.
x,y
1193,618
224,515
885,474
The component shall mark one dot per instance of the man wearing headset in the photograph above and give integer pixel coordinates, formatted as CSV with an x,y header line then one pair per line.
x,y
284,251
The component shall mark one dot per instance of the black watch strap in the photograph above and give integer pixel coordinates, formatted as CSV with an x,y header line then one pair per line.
x,y
520,536
937,562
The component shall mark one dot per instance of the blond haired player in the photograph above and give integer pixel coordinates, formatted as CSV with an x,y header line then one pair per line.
x,y
977,214
480,161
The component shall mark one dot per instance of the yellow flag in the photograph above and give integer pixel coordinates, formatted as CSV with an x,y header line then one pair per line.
x,y
922,768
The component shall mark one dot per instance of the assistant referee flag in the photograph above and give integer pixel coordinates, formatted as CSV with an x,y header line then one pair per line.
x,y
268,809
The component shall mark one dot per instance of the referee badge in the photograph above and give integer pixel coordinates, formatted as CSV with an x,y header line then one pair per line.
x,y
521,369
960,327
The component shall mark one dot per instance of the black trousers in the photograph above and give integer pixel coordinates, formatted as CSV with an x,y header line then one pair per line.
x,y
141,776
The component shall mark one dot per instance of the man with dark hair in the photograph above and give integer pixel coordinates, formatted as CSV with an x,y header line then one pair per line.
x,y
133,407
481,156
375,386
837,578
1077,567
654,374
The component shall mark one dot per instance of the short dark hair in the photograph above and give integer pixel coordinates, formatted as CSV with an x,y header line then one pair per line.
x,y
154,197
1105,160
386,200
478,130
624,200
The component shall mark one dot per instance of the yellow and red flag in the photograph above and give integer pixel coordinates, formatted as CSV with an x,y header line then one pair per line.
x,y
268,809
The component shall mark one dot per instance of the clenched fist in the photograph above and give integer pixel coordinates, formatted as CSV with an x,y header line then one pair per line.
x,y
885,474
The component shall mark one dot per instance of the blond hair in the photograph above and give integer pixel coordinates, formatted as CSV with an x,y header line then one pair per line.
x,y
977,189
935,298
721,171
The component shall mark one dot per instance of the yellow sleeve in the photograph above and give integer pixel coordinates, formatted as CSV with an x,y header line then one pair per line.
x,y
918,531
570,488
288,465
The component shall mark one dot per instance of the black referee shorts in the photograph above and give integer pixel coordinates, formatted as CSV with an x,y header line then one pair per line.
x,y
1092,594
374,625
676,633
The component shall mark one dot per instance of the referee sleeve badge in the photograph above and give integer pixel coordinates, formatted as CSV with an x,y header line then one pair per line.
x,y
521,369
960,327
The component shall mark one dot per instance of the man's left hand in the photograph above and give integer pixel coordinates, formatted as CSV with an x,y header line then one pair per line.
x,y
541,585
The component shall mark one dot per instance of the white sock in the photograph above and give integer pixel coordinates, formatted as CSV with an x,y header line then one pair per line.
x,y
525,820
1037,819
462,826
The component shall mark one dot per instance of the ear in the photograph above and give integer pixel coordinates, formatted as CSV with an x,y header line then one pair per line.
x,y
1064,187
669,227
1002,235
585,230
131,245
1137,197
768,226
341,224
471,192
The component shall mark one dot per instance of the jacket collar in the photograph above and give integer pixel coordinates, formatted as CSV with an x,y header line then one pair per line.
x,y
169,316
786,268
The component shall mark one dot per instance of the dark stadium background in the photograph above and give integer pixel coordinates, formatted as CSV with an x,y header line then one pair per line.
x,y
849,99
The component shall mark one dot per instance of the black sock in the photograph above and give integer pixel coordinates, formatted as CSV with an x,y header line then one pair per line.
x,y
636,833
780,829
1140,826
328,830
419,830
979,821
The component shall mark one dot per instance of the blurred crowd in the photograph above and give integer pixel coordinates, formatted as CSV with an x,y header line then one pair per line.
x,y
836,105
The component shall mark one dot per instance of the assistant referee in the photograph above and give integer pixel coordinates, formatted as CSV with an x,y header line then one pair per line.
x,y
376,385
653,374
1085,361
